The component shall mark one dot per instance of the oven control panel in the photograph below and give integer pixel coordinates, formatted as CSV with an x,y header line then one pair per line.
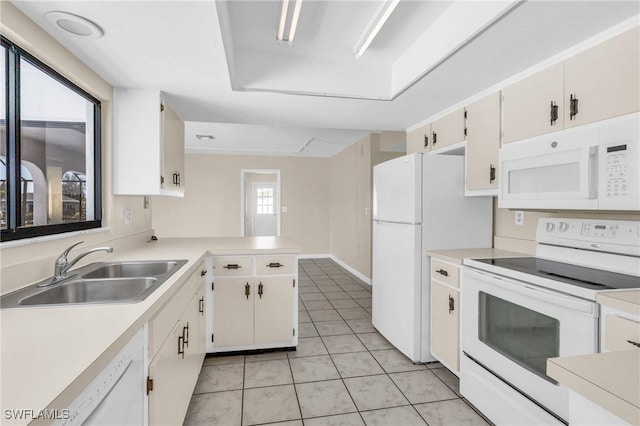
x,y
614,236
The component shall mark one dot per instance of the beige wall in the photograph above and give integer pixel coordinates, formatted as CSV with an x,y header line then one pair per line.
x,y
351,198
212,202
23,263
509,236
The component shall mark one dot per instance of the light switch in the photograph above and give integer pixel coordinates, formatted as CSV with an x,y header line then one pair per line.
x,y
284,209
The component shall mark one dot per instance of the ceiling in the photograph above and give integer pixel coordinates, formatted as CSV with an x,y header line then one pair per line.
x,y
222,69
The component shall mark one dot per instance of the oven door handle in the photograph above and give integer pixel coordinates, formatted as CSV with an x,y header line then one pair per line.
x,y
539,293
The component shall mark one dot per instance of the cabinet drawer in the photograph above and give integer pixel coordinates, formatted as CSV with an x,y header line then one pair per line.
x,y
617,331
445,273
160,326
275,265
237,265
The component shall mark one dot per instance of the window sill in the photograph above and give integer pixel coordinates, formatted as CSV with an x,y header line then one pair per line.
x,y
47,238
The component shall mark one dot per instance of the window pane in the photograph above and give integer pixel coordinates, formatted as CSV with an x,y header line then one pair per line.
x,y
56,145
264,201
3,139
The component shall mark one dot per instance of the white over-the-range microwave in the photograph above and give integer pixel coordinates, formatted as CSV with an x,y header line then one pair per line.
x,y
591,167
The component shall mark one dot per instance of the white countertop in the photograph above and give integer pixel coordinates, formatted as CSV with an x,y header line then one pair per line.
x,y
46,351
609,379
456,256
627,301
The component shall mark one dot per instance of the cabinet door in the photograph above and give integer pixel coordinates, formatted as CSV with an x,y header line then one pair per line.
x,y
604,80
233,311
483,143
274,310
445,324
193,337
172,381
201,322
527,105
172,148
419,140
448,130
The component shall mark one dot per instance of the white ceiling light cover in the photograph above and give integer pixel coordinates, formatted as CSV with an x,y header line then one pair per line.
x,y
75,25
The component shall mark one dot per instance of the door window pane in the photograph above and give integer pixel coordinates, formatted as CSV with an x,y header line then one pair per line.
x,y
264,201
56,145
524,336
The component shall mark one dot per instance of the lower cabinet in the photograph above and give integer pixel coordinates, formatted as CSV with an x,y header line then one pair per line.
x,y
253,311
176,357
254,300
445,314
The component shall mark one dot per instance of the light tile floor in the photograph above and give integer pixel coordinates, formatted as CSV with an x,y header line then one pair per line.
x,y
342,373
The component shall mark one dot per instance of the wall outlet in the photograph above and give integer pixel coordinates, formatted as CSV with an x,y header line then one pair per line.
x,y
128,216
284,209
519,218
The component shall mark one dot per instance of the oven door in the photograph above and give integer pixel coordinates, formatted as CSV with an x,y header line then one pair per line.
x,y
511,328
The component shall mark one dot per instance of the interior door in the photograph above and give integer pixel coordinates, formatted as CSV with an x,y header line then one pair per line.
x,y
264,196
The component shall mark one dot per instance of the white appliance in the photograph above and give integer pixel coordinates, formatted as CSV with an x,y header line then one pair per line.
x,y
418,205
591,167
116,396
518,312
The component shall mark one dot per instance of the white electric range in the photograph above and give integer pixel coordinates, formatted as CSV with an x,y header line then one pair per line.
x,y
518,312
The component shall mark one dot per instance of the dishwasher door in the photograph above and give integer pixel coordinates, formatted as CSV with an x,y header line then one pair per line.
x,y
117,395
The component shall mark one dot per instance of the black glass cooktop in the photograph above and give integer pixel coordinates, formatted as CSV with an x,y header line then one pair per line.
x,y
594,279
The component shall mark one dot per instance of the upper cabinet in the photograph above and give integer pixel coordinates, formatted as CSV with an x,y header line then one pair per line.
x,y
534,106
148,145
419,140
448,130
599,83
603,82
483,143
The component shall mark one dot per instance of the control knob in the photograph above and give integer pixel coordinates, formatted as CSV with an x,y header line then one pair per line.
x,y
550,226
563,226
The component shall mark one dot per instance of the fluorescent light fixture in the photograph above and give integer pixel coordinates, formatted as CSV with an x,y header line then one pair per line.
x,y
283,21
294,20
207,137
385,9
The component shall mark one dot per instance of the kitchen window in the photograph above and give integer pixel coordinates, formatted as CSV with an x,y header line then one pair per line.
x,y
49,150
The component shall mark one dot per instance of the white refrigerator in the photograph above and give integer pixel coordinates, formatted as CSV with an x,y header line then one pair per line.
x,y
418,205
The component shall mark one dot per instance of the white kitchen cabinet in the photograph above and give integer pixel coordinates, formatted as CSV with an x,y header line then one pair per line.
x,y
273,319
534,106
448,130
148,144
176,352
445,314
232,311
171,387
483,143
419,140
603,81
599,83
619,329
254,301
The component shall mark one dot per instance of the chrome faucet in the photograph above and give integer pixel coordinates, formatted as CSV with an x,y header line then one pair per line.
x,y
63,265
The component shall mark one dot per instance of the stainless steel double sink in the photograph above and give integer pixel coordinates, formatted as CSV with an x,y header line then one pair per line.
x,y
98,283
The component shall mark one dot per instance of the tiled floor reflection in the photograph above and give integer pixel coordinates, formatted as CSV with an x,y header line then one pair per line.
x,y
342,373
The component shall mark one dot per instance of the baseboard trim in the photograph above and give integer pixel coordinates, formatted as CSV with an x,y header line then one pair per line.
x,y
314,256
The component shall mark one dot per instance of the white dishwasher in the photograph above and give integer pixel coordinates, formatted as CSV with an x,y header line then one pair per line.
x,y
116,396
